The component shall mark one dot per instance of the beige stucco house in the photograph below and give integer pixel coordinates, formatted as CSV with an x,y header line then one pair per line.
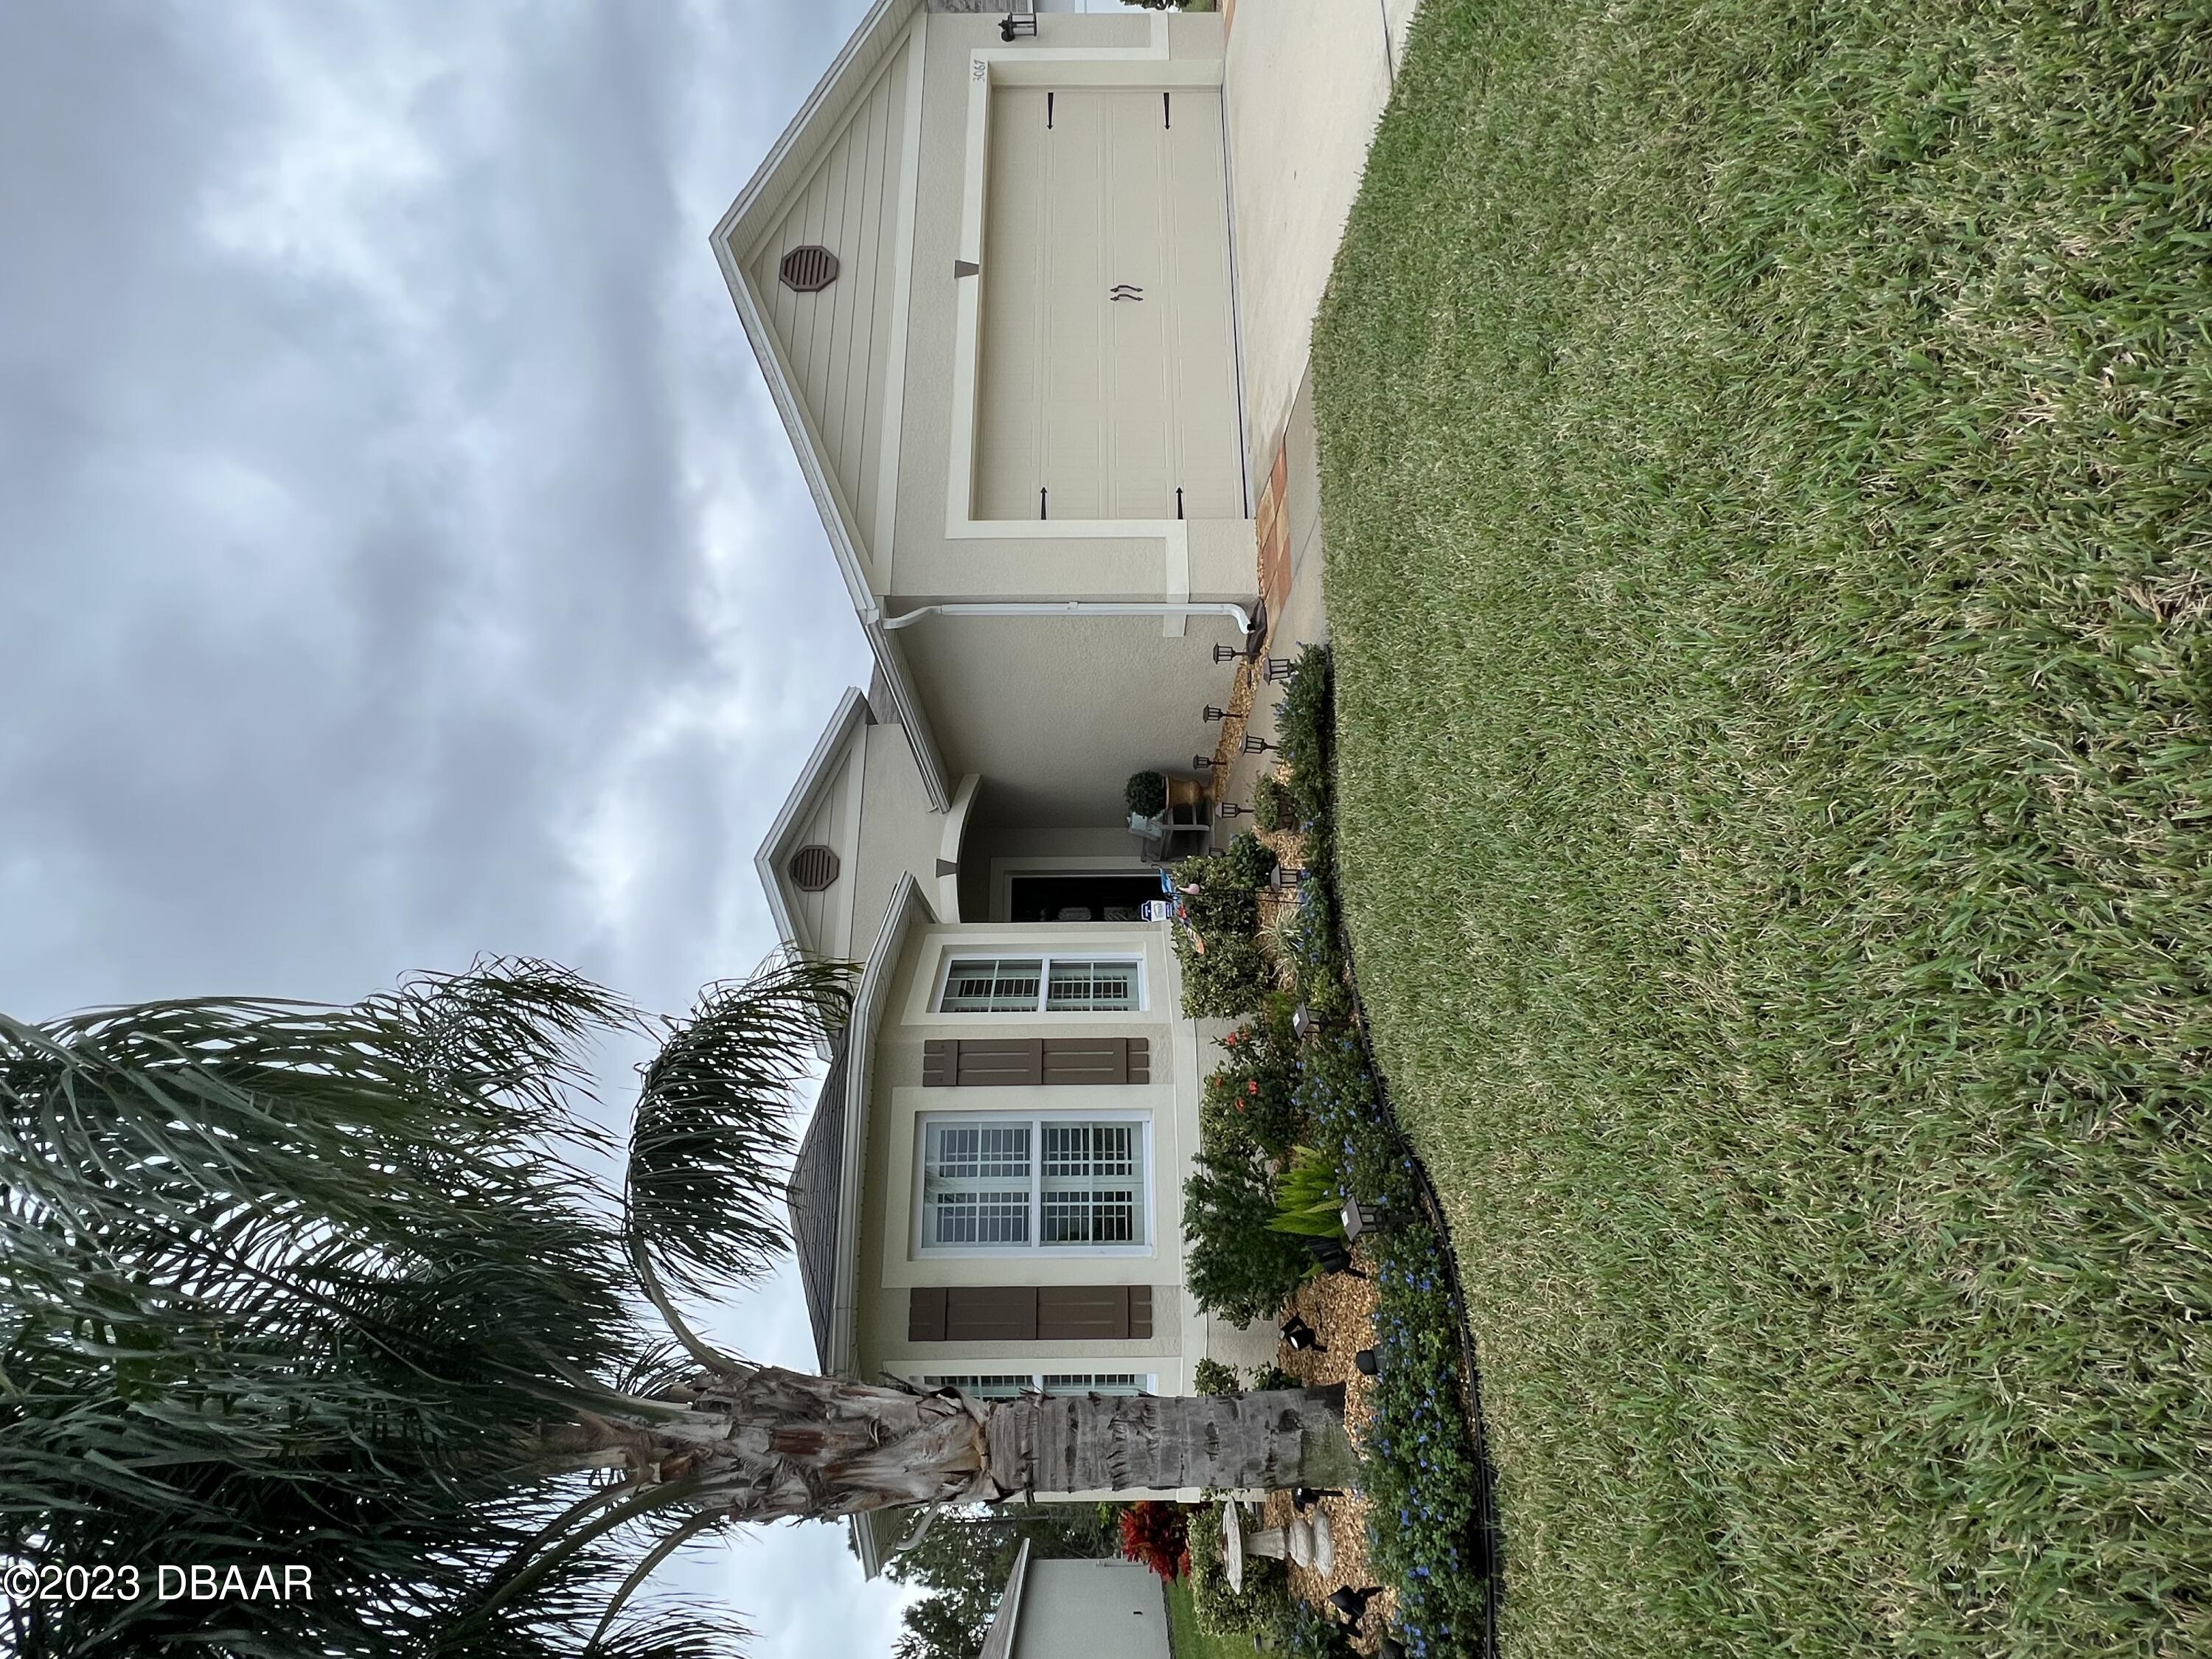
x,y
991,286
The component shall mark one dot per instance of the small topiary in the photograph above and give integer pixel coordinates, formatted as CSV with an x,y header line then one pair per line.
x,y
1145,793
1273,810
1247,863
1211,1376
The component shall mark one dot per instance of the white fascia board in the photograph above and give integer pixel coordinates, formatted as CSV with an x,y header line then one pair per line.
x,y
868,1002
852,712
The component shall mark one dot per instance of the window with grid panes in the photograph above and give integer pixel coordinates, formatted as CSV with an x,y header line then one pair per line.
x,y
981,1183
1007,1385
1052,985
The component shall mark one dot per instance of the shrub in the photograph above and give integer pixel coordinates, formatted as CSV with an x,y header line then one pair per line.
x,y
1301,1631
1250,1101
1211,1376
1222,1611
1269,1378
1273,808
1240,1268
1145,793
1227,978
1304,730
1316,963
1309,1202
1418,1464
1247,863
1157,1534
1224,975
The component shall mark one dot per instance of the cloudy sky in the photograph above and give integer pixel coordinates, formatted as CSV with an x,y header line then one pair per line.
x,y
402,558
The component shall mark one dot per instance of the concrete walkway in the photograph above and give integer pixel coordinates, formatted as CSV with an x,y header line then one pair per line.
x,y
1306,82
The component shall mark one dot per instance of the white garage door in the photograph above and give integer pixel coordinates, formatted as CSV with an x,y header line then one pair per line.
x,y
1107,381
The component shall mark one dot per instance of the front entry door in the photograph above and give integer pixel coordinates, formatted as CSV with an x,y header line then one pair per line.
x,y
1107,376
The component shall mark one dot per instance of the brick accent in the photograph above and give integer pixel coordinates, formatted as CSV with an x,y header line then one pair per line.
x,y
1274,532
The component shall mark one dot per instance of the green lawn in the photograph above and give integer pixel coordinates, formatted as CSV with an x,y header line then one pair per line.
x,y
1767,468
1188,1640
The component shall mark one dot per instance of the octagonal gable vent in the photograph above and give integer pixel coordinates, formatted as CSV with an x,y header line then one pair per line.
x,y
813,868
809,270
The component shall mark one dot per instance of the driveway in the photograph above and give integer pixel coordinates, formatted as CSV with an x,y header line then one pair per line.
x,y
1305,82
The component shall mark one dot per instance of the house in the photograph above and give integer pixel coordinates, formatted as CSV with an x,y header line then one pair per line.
x,y
991,286
1078,1610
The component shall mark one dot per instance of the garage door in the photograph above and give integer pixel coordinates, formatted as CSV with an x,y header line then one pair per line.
x,y
1107,381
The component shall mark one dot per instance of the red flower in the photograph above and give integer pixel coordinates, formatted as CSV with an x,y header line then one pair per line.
x,y
1157,1534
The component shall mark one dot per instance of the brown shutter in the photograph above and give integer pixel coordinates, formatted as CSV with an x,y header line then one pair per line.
x,y
980,1062
1029,1313
973,1062
1083,1313
1086,1060
925,1314
991,1313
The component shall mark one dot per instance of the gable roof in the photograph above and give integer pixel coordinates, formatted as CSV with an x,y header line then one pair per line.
x,y
999,1639
850,150
824,766
813,1195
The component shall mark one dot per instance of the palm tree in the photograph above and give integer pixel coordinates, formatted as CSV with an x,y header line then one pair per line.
x,y
293,1286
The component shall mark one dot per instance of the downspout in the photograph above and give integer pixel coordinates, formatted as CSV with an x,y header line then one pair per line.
x,y
1075,608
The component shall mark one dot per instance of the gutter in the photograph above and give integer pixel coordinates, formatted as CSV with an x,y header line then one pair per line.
x,y
1073,608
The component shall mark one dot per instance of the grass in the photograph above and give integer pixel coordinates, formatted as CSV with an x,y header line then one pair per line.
x,y
1188,1641
1767,482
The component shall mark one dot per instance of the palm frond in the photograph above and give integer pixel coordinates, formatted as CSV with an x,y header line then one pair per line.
x,y
710,1148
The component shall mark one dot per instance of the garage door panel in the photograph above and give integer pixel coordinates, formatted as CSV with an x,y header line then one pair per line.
x,y
1139,419
1107,405
1079,344
1011,374
1203,394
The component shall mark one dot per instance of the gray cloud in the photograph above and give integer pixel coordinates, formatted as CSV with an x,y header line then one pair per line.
x,y
401,558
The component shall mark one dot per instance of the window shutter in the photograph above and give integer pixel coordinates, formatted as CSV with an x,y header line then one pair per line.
x,y
1029,1313
1093,1060
925,1314
940,1061
1083,1313
972,1062
991,1313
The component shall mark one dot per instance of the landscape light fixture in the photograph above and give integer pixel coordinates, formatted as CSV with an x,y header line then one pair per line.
x,y
1281,670
1352,1603
1254,744
1282,877
1302,1337
1227,653
1230,809
1202,763
1215,716
1367,1364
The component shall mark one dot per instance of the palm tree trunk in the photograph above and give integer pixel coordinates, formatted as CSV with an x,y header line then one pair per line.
x,y
771,1444
1137,1442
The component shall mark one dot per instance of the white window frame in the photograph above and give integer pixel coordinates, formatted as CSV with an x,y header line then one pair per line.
x,y
1132,960
1036,1245
1144,1382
